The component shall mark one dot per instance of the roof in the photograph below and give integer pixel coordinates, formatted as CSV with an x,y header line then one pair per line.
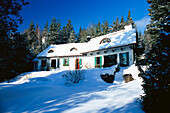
x,y
119,38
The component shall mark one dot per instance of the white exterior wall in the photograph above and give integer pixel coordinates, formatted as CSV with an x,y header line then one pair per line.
x,y
89,60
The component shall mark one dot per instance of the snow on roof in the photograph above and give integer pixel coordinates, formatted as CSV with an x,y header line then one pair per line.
x,y
119,38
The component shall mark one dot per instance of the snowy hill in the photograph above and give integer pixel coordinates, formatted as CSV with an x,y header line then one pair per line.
x,y
46,92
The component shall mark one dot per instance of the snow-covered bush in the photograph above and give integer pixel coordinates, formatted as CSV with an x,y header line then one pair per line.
x,y
73,77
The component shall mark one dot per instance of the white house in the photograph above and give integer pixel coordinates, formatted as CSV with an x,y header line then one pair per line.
x,y
103,51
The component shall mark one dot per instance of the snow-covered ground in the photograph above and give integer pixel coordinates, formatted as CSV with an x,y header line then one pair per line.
x,y
39,92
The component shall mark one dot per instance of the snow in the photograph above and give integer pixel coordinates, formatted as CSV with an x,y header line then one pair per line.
x,y
119,38
45,91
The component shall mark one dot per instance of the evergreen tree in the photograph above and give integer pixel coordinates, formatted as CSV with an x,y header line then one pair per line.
x,y
64,35
44,40
38,40
79,35
156,78
105,27
31,36
91,30
69,28
122,23
116,25
72,38
130,20
13,48
98,29
54,32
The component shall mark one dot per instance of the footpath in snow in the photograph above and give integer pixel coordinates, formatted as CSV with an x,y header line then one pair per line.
x,y
45,91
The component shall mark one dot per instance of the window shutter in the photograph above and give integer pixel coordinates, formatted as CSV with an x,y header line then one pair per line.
x,y
63,61
95,61
68,61
80,63
100,61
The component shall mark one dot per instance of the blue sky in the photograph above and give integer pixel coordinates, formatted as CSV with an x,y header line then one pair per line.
x,y
83,12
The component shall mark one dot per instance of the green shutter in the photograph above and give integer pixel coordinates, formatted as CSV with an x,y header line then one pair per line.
x,y
63,62
95,61
120,57
100,61
68,62
80,63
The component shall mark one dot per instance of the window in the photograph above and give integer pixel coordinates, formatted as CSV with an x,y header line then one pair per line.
x,y
110,60
98,62
53,63
65,62
124,59
43,63
73,49
51,51
105,40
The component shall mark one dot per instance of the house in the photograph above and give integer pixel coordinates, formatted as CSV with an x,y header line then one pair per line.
x,y
103,51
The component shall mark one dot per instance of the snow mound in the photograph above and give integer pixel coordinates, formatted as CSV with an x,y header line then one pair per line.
x,y
133,70
45,91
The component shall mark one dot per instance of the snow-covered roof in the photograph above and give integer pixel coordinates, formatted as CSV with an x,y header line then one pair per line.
x,y
119,38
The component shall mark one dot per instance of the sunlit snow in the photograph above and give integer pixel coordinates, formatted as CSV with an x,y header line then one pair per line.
x,y
45,91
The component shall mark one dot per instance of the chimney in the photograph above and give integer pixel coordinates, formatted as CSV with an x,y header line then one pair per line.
x,y
88,38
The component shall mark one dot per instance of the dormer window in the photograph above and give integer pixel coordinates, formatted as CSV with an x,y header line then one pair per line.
x,y
50,51
73,49
105,40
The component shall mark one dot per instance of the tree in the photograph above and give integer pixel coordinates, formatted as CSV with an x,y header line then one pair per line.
x,y
54,32
10,15
72,38
10,47
45,34
105,27
31,36
116,25
130,20
98,29
156,78
92,30
122,23
69,29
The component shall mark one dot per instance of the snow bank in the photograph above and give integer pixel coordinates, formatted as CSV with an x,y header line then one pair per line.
x,y
45,91
133,70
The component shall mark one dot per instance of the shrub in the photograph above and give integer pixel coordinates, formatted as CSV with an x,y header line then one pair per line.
x,y
73,77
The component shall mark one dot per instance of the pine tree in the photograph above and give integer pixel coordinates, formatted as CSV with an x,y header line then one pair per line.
x,y
79,35
64,35
130,21
91,30
31,36
45,34
122,23
13,52
72,38
98,29
38,40
156,78
116,25
54,32
105,27
68,29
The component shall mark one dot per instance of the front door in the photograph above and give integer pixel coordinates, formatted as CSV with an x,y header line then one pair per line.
x,y
77,66
78,63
